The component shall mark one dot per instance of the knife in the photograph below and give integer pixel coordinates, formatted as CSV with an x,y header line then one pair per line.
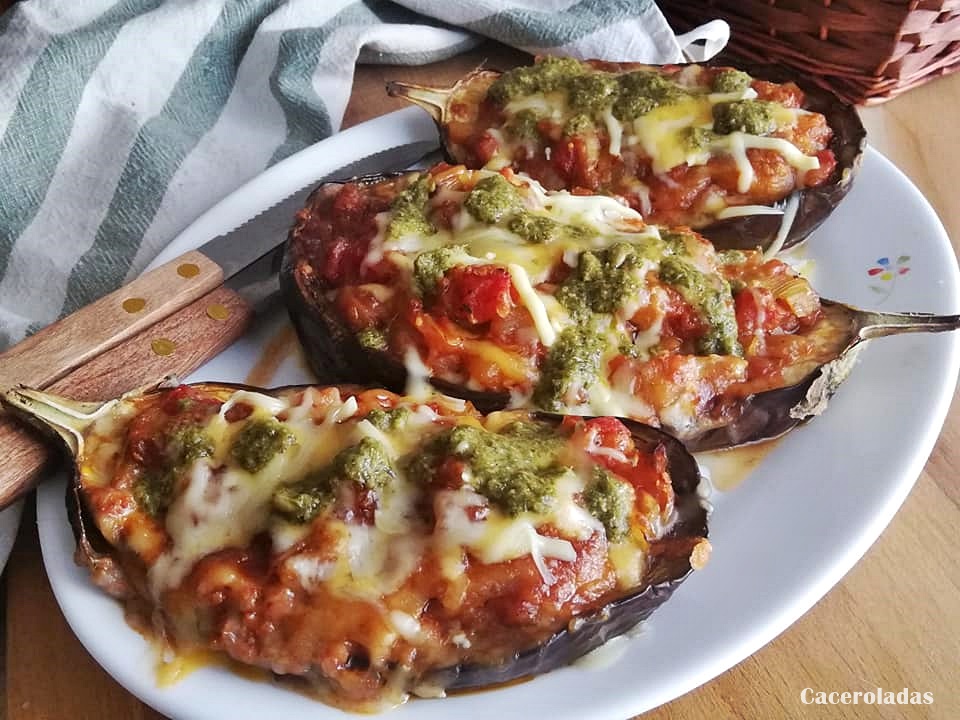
x,y
63,346
193,321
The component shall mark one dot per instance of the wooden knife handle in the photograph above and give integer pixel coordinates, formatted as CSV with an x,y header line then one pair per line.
x,y
177,345
68,343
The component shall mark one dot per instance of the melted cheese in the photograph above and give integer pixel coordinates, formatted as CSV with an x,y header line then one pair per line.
x,y
220,506
788,150
662,132
736,144
615,131
789,215
531,300
224,506
551,105
743,210
418,375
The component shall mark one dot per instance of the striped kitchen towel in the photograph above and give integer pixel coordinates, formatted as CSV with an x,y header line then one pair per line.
x,y
123,120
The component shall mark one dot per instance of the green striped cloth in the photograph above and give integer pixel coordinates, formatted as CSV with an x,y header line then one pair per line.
x,y
123,120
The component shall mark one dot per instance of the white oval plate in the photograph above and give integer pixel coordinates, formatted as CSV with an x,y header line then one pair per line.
x,y
781,539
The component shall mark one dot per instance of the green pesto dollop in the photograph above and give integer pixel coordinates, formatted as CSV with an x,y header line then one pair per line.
x,y
571,367
732,257
591,93
550,74
409,209
366,464
516,469
153,490
389,420
303,501
714,300
731,81
523,125
578,125
184,445
675,242
258,442
492,199
187,444
536,228
610,501
754,117
430,267
372,338
641,91
605,279
697,138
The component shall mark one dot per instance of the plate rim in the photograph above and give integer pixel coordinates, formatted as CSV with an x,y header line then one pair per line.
x,y
620,705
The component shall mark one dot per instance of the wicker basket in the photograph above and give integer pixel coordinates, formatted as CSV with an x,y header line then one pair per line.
x,y
866,51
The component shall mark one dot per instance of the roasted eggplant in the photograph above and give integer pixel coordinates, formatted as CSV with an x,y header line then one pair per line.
x,y
749,160
508,295
370,544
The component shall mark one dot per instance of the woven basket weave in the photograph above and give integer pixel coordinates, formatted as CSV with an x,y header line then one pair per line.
x,y
866,51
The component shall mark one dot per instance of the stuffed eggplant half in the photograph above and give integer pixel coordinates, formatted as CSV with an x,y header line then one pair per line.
x,y
509,295
374,545
713,148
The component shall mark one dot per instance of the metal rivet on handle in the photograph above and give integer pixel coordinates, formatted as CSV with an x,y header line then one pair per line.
x,y
188,270
162,346
218,311
134,304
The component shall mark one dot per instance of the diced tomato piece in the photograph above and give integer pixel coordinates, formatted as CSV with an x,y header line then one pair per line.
x,y
238,412
190,402
678,189
681,320
758,310
450,473
828,163
564,157
341,260
788,93
485,147
811,133
475,294
360,308
349,207
647,472
605,432
444,213
516,331
353,226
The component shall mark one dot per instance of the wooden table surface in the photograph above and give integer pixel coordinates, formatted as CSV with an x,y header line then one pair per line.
x,y
892,622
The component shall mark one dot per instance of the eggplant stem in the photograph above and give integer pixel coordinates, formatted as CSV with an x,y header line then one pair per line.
x,y
67,418
879,324
433,100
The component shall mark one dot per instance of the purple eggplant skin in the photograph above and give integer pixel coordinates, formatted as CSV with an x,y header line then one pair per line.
x,y
740,233
671,559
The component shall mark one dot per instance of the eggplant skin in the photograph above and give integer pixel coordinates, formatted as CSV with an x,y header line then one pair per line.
x,y
739,233
671,559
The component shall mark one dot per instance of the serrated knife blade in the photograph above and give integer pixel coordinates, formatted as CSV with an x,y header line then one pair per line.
x,y
238,248
60,348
